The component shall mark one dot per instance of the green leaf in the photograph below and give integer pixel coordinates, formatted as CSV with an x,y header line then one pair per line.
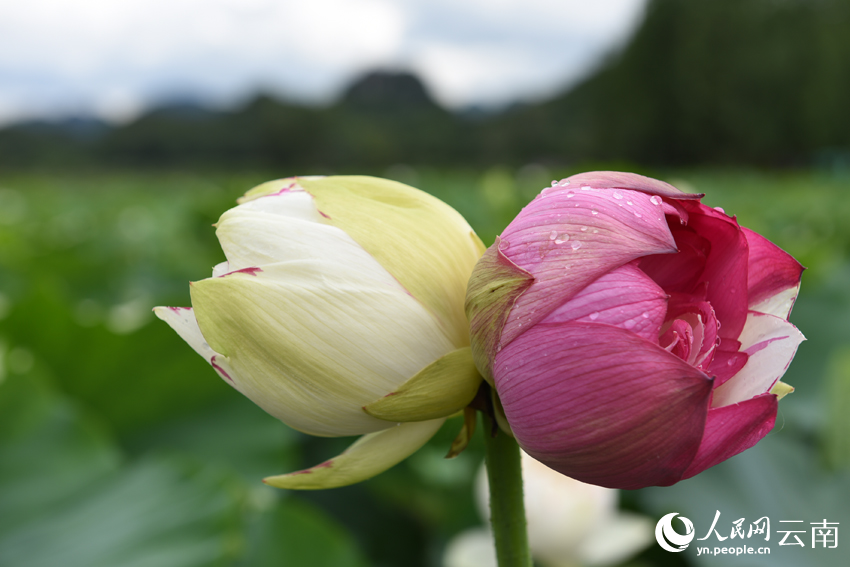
x,y
67,499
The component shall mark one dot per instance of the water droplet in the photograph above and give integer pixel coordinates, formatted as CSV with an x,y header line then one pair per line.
x,y
637,214
655,200
618,195
594,212
585,188
575,245
720,210
583,229
593,316
629,324
629,203
570,194
731,360
504,245
645,315
553,235
554,183
595,231
564,183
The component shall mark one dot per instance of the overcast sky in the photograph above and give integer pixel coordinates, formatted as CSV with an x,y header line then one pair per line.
x,y
113,58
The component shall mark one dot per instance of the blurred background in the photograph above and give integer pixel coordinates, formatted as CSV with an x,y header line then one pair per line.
x,y
128,127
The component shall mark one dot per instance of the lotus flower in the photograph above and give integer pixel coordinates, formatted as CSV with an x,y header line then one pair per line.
x,y
340,293
635,336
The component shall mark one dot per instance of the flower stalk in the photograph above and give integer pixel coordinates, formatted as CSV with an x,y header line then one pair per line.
x,y
507,511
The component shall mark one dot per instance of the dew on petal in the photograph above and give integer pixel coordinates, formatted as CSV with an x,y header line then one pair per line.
x,y
583,229
629,203
575,245
720,210
504,245
570,194
629,324
585,188
618,195
594,212
655,200
553,235
564,183
563,238
594,316
731,360
645,315
595,231
554,183
637,214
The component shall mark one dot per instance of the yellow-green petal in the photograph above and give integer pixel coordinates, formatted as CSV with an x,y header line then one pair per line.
x,y
424,243
312,342
370,455
781,389
461,442
442,388
494,287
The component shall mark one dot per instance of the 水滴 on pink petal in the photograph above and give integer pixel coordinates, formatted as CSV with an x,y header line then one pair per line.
x,y
635,337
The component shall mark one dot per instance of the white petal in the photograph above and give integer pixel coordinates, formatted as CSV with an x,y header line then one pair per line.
x,y
221,269
780,304
770,343
251,237
369,456
182,320
313,341
295,203
616,540
472,548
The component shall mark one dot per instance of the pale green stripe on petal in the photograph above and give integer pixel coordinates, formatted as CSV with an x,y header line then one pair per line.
x,y
370,455
440,389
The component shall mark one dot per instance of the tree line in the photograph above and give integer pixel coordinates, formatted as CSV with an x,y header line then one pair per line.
x,y
721,82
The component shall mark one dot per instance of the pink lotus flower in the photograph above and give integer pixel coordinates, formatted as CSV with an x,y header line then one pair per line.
x,y
635,336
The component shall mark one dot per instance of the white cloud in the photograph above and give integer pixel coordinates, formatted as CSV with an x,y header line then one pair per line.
x,y
112,57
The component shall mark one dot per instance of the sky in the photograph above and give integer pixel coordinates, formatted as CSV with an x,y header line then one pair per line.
x,y
114,58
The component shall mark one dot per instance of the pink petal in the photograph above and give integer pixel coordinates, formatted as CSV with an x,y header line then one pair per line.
x,y
622,180
602,405
680,272
568,238
770,343
700,317
732,429
725,267
678,340
770,272
624,297
727,361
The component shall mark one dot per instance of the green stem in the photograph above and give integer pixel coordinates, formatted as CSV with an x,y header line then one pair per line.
x,y
507,511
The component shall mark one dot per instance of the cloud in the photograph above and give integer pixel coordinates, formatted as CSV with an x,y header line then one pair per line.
x,y
114,57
